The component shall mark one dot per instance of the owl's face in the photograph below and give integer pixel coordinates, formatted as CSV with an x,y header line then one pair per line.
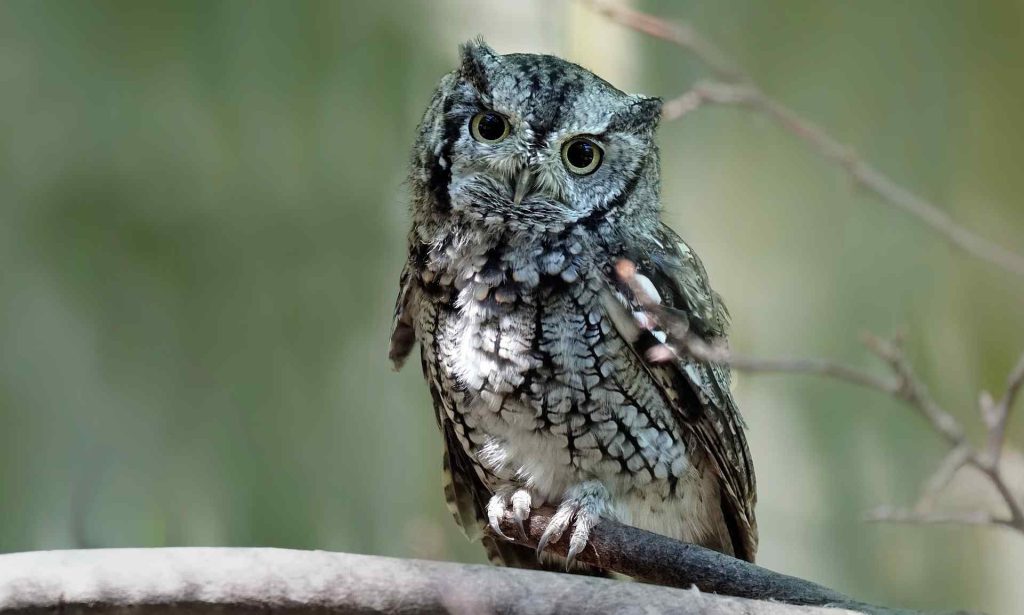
x,y
524,141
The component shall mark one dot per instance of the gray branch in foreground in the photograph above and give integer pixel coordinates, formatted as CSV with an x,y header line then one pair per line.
x,y
223,581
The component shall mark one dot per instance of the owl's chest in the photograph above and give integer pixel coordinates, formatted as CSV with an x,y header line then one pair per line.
x,y
546,342
545,388
526,384
512,326
538,385
509,316
510,343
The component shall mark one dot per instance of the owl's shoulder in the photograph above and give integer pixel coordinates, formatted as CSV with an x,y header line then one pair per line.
x,y
681,280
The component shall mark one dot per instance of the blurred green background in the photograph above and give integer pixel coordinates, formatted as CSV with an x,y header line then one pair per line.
x,y
202,220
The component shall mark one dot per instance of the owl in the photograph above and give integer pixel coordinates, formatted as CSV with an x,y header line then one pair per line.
x,y
548,300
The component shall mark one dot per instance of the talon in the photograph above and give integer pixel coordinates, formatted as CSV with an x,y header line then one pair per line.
x,y
521,502
559,521
543,542
570,557
578,540
495,511
496,528
582,507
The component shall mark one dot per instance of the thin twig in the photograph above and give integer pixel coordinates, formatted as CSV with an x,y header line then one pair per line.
x,y
814,367
999,415
994,474
698,348
909,389
956,459
913,391
897,515
738,89
680,34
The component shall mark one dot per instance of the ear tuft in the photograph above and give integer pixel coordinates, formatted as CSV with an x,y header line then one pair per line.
x,y
478,60
647,109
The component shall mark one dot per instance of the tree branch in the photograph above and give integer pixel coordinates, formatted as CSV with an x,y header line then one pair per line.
x,y
737,88
956,459
653,558
997,415
909,389
219,581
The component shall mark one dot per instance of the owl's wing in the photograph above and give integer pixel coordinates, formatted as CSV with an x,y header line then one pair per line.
x,y
403,335
463,491
700,391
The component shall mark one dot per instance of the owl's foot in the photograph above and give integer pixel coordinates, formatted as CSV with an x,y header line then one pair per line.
x,y
516,497
582,507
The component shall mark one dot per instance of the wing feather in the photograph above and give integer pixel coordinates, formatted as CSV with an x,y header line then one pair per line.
x,y
699,390
403,335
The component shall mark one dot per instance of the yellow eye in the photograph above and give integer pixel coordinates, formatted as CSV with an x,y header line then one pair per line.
x,y
489,127
581,155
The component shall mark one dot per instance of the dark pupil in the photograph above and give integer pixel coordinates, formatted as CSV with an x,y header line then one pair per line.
x,y
491,126
580,154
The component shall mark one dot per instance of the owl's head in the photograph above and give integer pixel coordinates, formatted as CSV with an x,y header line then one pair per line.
x,y
532,142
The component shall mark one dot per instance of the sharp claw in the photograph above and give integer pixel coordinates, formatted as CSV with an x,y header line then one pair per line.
x,y
521,510
570,558
543,542
581,510
495,510
551,534
496,528
577,544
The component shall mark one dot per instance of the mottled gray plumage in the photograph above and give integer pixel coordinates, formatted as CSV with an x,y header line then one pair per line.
x,y
552,380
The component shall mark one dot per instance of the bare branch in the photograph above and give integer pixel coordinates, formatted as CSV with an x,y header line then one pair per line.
x,y
739,89
909,389
1014,385
995,476
897,515
680,34
210,580
696,347
999,414
913,391
656,559
813,367
956,459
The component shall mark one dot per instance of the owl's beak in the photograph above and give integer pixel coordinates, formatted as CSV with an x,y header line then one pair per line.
x,y
523,184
